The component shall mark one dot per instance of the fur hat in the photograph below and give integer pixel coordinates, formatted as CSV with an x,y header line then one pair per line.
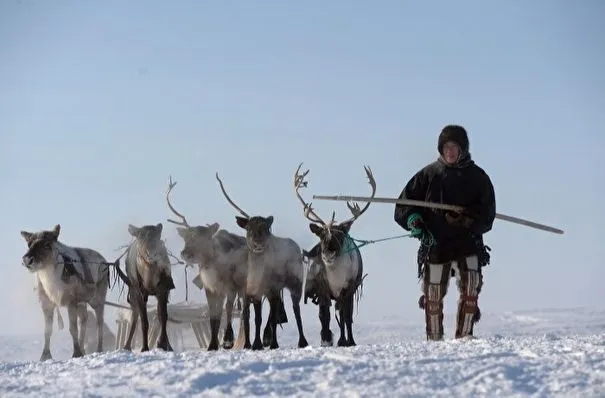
x,y
454,133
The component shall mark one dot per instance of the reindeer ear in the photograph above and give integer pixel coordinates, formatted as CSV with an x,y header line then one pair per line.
x,y
159,227
346,226
269,221
57,231
214,228
242,222
316,229
132,230
28,236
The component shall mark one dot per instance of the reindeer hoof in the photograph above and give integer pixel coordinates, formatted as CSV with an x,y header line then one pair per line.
x,y
45,356
327,338
302,342
342,342
77,354
247,345
213,346
143,349
351,343
227,344
258,345
274,346
164,345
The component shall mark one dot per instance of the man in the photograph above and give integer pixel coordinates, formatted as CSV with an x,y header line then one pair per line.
x,y
451,243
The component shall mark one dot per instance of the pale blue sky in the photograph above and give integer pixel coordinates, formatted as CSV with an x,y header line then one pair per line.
x,y
102,101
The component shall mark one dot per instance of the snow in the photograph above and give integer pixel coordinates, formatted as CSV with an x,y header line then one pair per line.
x,y
543,353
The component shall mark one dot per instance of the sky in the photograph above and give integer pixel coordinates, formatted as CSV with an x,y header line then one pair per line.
x,y
103,101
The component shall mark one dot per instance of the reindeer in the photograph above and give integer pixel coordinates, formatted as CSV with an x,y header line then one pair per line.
x,y
336,265
274,263
148,273
222,268
67,277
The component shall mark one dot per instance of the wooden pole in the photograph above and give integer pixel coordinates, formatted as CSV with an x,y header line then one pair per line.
x,y
442,206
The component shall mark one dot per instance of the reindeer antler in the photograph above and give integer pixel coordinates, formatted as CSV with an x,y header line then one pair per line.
x,y
354,208
243,213
183,223
299,182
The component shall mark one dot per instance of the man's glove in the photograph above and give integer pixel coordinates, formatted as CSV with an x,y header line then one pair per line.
x,y
416,225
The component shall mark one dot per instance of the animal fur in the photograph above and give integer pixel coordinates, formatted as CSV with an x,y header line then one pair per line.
x,y
274,263
221,257
337,265
67,277
148,273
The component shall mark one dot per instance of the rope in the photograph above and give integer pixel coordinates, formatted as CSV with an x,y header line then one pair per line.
x,y
351,243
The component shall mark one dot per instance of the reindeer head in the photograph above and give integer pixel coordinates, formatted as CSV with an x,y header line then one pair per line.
x,y
198,239
41,248
333,236
150,246
258,228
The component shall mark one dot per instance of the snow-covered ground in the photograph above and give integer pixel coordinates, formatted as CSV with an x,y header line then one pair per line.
x,y
535,353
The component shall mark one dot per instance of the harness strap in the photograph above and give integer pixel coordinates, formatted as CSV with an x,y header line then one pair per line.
x,y
85,268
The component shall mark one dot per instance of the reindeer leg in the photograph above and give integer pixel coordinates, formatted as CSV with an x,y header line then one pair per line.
x,y
134,318
162,298
274,302
258,320
342,341
214,306
324,318
48,309
349,319
83,320
228,335
246,319
144,323
268,332
296,295
100,315
72,312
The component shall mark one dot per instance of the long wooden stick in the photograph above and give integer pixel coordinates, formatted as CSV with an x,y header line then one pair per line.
x,y
442,206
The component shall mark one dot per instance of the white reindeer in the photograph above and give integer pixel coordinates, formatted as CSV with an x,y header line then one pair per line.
x,y
337,267
67,277
274,263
